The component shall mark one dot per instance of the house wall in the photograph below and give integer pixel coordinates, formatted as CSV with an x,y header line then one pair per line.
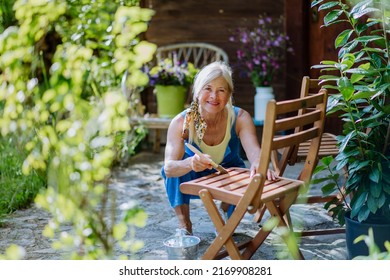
x,y
211,22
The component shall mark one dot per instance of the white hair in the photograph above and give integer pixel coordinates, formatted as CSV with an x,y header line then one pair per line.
x,y
211,72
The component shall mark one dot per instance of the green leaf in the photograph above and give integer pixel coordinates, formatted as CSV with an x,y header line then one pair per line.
x,y
356,77
333,104
361,27
323,66
343,38
332,16
362,95
315,3
327,160
328,62
365,11
327,78
136,216
346,64
372,204
358,165
374,50
360,7
375,189
386,109
381,200
369,38
341,163
341,217
358,203
375,176
347,48
346,139
346,88
319,180
318,169
363,214
328,5
329,188
362,71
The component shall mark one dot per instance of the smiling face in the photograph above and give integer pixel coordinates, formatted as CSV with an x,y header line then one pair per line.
x,y
214,96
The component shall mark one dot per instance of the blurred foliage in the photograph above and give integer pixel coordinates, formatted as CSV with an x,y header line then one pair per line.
x,y
60,72
13,252
292,241
7,17
17,190
374,252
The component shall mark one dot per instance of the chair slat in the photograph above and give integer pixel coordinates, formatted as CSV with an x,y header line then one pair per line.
x,y
231,180
212,178
294,139
296,104
269,195
296,121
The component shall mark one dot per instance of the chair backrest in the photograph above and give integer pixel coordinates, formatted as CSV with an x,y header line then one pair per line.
x,y
290,156
200,54
291,115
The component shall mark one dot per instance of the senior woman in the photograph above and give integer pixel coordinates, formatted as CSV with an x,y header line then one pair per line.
x,y
214,126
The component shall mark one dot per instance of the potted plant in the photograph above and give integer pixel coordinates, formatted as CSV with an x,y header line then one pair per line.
x,y
171,80
362,77
261,52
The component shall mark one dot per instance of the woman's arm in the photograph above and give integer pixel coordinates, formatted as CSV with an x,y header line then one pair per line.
x,y
246,130
174,165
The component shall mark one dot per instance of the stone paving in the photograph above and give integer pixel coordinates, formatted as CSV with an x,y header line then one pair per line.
x,y
140,180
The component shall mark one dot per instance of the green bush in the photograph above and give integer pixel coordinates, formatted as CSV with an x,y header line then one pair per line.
x,y
16,189
7,17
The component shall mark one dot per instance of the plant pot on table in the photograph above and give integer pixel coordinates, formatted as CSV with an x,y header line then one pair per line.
x,y
170,100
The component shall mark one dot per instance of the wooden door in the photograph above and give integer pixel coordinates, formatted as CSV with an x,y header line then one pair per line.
x,y
321,39
321,47
312,43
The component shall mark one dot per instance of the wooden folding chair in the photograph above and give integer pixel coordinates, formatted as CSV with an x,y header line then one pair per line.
x,y
297,153
250,194
284,157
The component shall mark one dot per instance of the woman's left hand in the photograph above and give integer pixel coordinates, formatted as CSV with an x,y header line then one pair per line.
x,y
271,176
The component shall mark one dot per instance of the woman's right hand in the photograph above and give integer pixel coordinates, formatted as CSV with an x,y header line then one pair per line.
x,y
200,163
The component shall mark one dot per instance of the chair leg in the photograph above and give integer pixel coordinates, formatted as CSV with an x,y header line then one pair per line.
x,y
259,214
224,231
279,210
283,216
255,243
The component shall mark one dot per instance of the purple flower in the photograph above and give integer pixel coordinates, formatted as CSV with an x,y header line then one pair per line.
x,y
261,50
